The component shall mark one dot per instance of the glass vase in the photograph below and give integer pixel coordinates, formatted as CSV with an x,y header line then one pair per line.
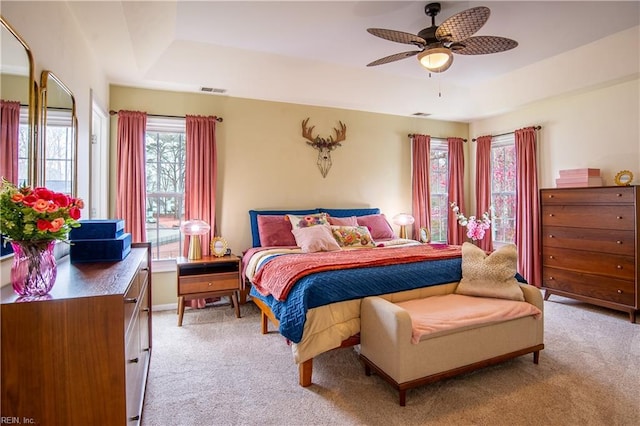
x,y
34,268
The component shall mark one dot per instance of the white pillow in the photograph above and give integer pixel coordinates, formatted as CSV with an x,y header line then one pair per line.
x,y
315,238
490,275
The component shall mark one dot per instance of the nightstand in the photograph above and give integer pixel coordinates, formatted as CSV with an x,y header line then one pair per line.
x,y
208,277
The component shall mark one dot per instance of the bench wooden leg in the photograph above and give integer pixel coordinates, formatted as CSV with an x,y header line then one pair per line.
x,y
265,323
536,357
305,369
403,397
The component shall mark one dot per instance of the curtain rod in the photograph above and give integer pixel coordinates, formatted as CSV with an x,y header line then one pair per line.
x,y
412,135
112,112
508,133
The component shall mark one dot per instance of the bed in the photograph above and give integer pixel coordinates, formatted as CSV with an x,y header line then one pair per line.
x,y
313,297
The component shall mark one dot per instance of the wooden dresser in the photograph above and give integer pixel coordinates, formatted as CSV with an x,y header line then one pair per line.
x,y
590,245
81,355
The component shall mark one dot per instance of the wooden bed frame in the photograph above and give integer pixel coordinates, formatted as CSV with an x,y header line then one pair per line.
x,y
305,369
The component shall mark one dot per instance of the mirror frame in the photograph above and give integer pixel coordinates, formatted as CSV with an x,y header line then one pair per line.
x,y
218,252
44,86
425,235
32,107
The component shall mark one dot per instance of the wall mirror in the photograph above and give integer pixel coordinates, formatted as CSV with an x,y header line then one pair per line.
x,y
59,136
17,107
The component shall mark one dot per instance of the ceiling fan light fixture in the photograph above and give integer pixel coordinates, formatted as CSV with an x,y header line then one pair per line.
x,y
436,59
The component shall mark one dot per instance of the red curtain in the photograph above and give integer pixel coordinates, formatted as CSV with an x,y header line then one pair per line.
x,y
456,234
9,137
420,150
200,182
527,207
201,175
131,177
483,184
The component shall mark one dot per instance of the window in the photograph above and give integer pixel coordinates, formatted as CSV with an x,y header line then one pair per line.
x,y
165,173
439,188
503,189
60,150
23,146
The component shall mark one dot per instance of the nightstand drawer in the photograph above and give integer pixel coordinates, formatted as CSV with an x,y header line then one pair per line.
x,y
210,282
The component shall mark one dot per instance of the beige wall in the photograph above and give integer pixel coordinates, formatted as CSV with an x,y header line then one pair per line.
x,y
599,128
265,163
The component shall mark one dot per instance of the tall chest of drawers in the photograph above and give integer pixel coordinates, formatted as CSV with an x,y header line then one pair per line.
x,y
80,355
590,245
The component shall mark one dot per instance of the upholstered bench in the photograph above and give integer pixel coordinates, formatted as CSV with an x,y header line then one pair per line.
x,y
439,335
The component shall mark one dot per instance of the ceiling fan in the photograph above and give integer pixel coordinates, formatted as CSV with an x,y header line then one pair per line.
x,y
437,43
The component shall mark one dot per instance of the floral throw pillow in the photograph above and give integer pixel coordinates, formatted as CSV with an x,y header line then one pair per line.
x,y
352,236
308,220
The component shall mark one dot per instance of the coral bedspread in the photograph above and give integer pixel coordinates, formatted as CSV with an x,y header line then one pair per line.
x,y
402,269
278,276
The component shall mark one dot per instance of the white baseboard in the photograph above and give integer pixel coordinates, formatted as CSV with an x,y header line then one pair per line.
x,y
166,307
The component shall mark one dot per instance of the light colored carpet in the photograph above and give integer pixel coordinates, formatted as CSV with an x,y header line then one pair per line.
x,y
219,370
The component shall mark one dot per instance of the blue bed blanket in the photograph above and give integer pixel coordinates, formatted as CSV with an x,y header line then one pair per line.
x,y
327,287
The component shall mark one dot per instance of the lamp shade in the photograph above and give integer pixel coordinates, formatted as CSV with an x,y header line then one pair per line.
x,y
436,59
403,219
195,227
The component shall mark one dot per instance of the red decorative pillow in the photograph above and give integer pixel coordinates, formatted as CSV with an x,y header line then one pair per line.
x,y
343,221
378,226
275,230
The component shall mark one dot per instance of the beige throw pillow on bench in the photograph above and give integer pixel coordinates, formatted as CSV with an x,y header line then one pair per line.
x,y
490,275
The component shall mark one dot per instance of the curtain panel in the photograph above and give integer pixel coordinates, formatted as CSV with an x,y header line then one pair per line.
x,y
456,234
131,175
9,139
527,206
421,194
483,184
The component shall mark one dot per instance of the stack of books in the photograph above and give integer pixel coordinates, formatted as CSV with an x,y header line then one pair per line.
x,y
576,178
99,241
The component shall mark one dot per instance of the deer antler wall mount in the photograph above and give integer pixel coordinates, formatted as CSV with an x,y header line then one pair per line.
x,y
324,145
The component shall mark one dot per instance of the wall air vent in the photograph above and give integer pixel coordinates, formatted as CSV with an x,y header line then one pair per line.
x,y
421,114
213,90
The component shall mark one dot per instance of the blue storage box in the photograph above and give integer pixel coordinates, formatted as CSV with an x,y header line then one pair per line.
x,y
5,247
97,229
102,250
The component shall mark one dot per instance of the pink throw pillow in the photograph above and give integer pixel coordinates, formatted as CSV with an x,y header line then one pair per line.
x,y
275,231
343,221
315,238
378,226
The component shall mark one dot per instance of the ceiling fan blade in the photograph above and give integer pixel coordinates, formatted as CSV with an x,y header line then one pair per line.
x,y
397,36
463,25
482,45
392,58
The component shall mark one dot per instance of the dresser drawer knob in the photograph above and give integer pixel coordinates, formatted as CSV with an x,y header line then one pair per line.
x,y
550,257
551,196
550,214
130,300
618,242
210,284
618,217
619,291
551,278
133,361
618,195
619,266
551,236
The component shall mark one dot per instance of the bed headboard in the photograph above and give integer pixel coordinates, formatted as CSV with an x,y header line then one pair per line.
x,y
253,216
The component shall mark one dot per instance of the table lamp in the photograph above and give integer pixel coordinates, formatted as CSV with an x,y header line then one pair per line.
x,y
195,228
402,220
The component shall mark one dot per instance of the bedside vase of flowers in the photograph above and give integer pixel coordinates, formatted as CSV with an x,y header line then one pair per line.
x,y
33,219
476,228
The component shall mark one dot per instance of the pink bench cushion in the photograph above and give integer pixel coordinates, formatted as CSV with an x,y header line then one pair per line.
x,y
450,313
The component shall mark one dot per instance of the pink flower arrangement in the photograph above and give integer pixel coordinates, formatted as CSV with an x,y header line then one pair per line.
x,y
37,214
476,228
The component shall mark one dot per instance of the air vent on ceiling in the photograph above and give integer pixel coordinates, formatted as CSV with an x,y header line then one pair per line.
x,y
421,114
213,90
